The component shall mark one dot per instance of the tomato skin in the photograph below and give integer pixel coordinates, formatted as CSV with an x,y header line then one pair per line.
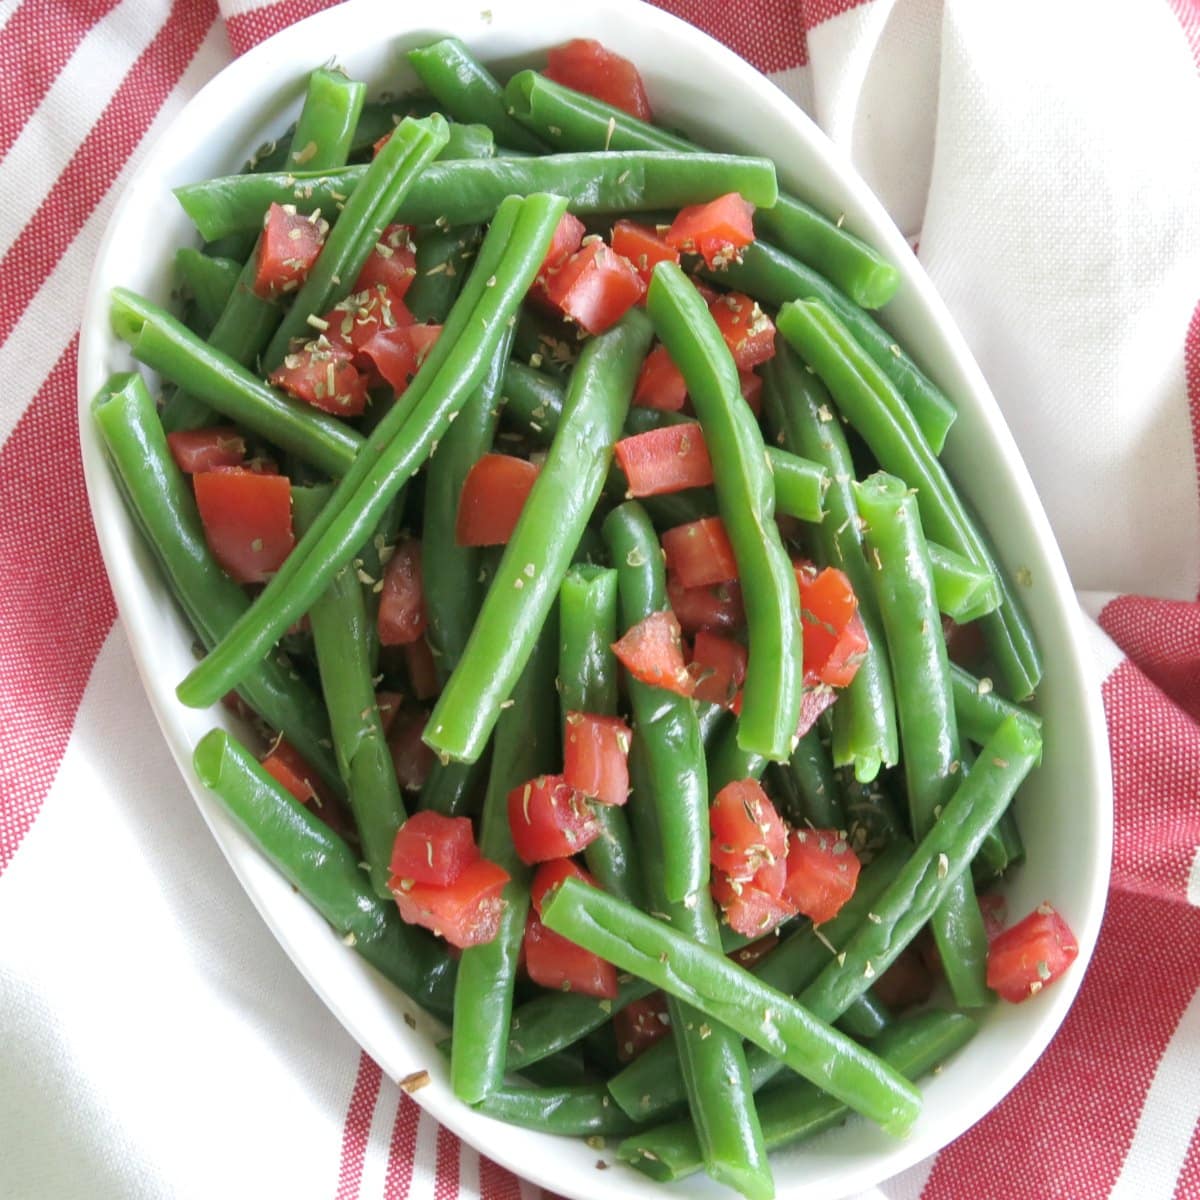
x,y
652,651
432,848
700,553
643,247
392,264
466,912
751,907
835,639
752,390
566,240
587,66
595,288
822,872
748,331
747,832
289,245
558,964
813,702
660,383
1031,955
719,668
716,230
714,606
396,353
402,617
665,460
641,1024
354,321
323,375
492,500
288,767
550,874
247,519
549,820
196,450
421,669
411,758
906,982
596,757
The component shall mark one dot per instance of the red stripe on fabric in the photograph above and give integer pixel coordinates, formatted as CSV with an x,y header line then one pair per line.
x,y
449,1150
1163,638
1187,1186
1188,12
248,29
100,157
356,1132
496,1183
55,606
1191,346
401,1149
35,45
1064,1132
768,34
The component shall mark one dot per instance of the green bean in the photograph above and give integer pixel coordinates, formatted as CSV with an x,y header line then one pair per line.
x,y
664,722
728,762
527,745
964,591
800,416
324,132
712,720
800,485
208,281
903,583
364,216
1002,849
164,507
466,192
582,1110
745,495
705,979
540,548
873,821
325,871
872,405
468,92
339,628
567,1068
978,708
797,1109
510,256
587,682
166,346
570,120
532,401
807,780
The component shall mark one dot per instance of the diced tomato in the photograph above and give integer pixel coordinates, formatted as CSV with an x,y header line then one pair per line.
x,y
748,331
588,67
354,321
665,460
994,908
595,287
432,848
700,553
549,820
289,246
596,757
719,668
247,519
567,238
747,832
906,982
752,907
288,767
660,383
1030,955
411,758
641,1024
324,376
714,606
392,264
556,963
389,705
716,230
402,618
643,247
421,669
652,651
964,643
493,497
835,639
550,874
197,450
752,389
813,702
466,912
396,354
822,872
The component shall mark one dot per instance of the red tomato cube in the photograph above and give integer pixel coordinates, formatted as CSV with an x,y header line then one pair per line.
x,y
432,848
660,383
700,553
1030,955
421,669
906,982
716,230
466,912
747,832
822,872
324,376
813,702
643,246
402,618
718,667
588,67
492,500
665,460
748,331
752,389
288,767
355,320
396,353
566,240
196,450
549,820
596,757
389,705
556,963
412,760
751,907
392,264
595,288
550,874
835,639
652,651
289,245
714,606
641,1024
247,519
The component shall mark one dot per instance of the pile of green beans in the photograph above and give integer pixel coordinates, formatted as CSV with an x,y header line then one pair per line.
x,y
516,637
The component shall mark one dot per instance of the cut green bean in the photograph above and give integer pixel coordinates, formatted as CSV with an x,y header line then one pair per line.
x,y
208,281
979,709
582,1110
728,762
965,592
541,547
808,782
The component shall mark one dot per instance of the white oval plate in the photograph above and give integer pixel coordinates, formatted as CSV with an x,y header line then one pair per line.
x,y
694,83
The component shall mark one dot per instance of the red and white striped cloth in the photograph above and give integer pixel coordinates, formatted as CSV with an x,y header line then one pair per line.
x,y
155,1041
